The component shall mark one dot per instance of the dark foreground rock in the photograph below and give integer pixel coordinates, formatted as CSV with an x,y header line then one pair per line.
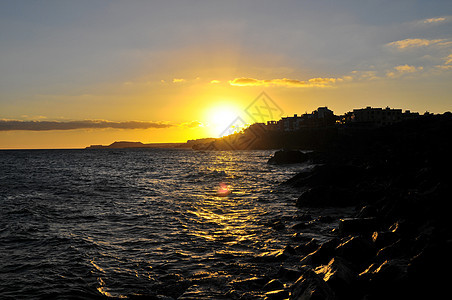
x,y
398,243
288,157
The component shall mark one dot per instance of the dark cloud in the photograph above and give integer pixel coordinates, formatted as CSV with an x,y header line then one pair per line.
x,y
8,125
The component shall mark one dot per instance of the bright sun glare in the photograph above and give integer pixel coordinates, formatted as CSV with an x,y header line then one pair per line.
x,y
220,119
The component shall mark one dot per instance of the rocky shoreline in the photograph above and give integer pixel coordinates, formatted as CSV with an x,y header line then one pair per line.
x,y
397,243
380,201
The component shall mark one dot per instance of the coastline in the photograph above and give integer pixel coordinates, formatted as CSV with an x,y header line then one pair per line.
x,y
396,243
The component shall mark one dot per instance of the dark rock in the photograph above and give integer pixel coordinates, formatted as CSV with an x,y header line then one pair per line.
x,y
383,239
367,193
300,237
288,157
403,228
311,286
326,196
323,254
357,225
307,247
356,249
289,250
273,285
339,276
287,274
277,295
391,275
429,270
395,250
368,211
336,175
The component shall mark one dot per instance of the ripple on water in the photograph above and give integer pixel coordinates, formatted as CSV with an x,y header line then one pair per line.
x,y
137,222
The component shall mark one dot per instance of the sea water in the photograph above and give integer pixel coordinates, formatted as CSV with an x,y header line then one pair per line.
x,y
130,222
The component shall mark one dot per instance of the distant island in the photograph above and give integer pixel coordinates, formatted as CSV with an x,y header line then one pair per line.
x,y
124,144
127,144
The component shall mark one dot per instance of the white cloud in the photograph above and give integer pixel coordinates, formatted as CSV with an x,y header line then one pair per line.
x,y
448,59
402,70
434,20
416,43
313,82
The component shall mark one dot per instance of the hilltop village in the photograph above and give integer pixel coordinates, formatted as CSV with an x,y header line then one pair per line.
x,y
323,117
313,131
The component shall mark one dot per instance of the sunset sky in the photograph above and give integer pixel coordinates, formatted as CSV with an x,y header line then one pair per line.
x,y
75,73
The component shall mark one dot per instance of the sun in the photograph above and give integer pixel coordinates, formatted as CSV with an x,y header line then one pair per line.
x,y
221,119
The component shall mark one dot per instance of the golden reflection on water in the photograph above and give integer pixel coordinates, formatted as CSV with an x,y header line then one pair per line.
x,y
222,220
102,289
229,220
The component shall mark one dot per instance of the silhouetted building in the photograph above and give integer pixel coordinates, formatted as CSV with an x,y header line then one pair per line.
x,y
322,117
272,125
376,117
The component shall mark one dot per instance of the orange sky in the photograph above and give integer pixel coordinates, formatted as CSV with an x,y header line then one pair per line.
x,y
187,71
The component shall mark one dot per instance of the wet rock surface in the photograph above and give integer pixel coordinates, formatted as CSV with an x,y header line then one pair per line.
x,y
282,157
397,243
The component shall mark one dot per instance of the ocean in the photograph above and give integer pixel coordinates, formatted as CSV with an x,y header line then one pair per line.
x,y
128,223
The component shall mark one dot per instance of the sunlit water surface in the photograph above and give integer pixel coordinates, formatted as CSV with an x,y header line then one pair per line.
x,y
118,223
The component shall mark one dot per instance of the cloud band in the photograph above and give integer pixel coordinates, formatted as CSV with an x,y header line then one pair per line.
x,y
9,125
313,82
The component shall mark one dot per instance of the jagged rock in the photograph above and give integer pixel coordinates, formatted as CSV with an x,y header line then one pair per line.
x,y
337,175
277,295
289,250
403,228
356,249
368,211
301,237
288,274
288,157
322,255
338,275
383,239
273,285
429,270
394,250
389,276
311,286
307,247
326,196
357,225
